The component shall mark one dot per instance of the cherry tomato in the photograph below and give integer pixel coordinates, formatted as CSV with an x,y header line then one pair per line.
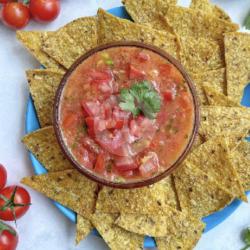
x,y
15,15
15,205
45,10
3,176
8,237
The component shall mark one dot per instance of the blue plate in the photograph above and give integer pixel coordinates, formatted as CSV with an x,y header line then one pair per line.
x,y
32,124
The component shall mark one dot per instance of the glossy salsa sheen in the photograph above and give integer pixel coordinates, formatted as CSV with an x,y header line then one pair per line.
x,y
126,113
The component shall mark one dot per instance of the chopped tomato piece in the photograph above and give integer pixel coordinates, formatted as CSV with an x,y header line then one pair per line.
x,y
185,101
125,163
91,108
106,88
100,163
70,120
86,158
99,77
91,145
143,57
112,124
135,73
126,174
168,96
168,70
165,69
149,165
90,122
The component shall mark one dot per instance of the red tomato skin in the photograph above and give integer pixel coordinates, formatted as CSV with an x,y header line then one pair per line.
x,y
45,10
100,163
22,197
3,176
168,96
8,241
15,15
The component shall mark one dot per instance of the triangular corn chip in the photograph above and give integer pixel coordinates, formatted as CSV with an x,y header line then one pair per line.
x,y
44,145
43,85
83,228
68,187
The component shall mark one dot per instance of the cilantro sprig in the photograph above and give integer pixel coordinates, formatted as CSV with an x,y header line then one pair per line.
x,y
246,238
141,97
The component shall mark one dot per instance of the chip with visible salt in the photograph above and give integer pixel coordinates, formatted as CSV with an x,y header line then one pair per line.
x,y
83,228
44,145
43,85
67,187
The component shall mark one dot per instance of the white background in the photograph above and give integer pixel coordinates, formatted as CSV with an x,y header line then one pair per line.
x,y
44,227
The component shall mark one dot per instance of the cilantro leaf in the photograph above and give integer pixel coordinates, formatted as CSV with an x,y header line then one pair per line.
x,y
141,98
247,21
246,238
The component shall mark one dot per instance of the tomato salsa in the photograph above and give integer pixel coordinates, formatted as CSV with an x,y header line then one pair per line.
x,y
126,113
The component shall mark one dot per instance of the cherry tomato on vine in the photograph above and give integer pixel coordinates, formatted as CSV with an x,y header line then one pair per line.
x,y
45,10
14,203
3,176
8,237
15,15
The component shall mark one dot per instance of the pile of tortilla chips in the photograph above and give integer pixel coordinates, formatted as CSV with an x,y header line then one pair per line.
x,y
217,171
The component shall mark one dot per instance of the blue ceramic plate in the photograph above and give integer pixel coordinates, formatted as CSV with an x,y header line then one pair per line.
x,y
33,124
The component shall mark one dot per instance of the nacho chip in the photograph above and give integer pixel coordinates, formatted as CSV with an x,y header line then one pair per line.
x,y
188,22
147,200
201,54
241,161
83,228
113,29
198,192
71,41
43,85
212,157
218,120
234,140
207,7
116,237
150,12
43,144
216,98
213,78
237,54
175,223
68,187
33,40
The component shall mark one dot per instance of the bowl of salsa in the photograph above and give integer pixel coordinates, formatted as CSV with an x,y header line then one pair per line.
x,y
126,114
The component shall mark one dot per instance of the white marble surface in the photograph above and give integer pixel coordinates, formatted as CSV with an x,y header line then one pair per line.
x,y
44,227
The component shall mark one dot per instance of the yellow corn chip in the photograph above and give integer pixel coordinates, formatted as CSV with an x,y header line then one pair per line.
x,y
237,54
147,200
43,144
212,158
216,98
241,161
207,7
214,78
83,228
201,54
43,85
173,223
188,22
218,120
33,40
113,29
198,192
71,41
68,187
116,237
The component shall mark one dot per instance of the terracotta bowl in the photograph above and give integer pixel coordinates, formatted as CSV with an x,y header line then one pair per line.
x,y
88,173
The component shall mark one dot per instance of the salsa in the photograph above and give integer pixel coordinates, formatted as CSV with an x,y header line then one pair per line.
x,y
126,113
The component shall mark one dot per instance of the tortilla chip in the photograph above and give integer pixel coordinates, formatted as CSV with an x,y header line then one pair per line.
x,y
216,98
150,12
218,120
188,22
72,41
237,54
33,40
207,7
43,144
113,29
68,187
198,192
234,140
43,85
116,237
241,161
213,78
201,54
83,228
175,223
212,157
147,200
